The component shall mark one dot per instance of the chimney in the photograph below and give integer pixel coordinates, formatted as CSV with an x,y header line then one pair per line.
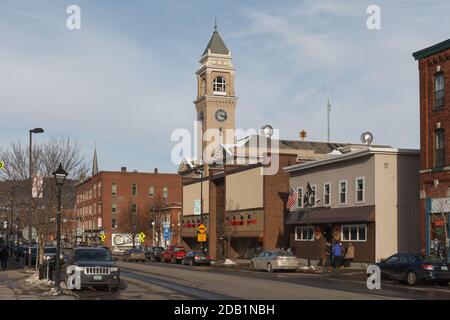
x,y
123,169
156,170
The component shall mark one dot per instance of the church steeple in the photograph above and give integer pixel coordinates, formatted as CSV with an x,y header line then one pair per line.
x,y
216,44
94,163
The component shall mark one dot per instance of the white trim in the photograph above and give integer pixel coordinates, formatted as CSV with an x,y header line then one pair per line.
x,y
363,178
296,201
346,192
301,233
329,194
357,232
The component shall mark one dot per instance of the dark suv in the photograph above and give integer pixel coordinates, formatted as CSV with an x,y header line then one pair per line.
x,y
98,268
154,253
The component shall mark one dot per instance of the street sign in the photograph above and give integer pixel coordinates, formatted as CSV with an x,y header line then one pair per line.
x,y
166,224
1,165
166,236
141,237
201,237
102,238
201,228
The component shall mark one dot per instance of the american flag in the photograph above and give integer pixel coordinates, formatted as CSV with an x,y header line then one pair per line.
x,y
292,199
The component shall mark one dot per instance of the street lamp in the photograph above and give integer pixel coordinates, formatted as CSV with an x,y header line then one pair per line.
x,y
60,177
30,218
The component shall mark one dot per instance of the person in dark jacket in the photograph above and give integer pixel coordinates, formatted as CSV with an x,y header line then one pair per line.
x,y
4,256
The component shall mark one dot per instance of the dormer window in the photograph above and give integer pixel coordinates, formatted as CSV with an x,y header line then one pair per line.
x,y
220,86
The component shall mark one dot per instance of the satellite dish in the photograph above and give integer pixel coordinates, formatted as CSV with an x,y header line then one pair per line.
x,y
367,138
267,130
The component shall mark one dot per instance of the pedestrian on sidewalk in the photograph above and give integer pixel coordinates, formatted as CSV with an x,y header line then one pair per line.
x,y
349,255
336,251
4,256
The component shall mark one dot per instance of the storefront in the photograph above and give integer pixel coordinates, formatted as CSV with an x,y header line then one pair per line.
x,y
311,230
437,227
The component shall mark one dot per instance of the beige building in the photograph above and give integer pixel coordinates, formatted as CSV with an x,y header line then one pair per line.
x,y
367,196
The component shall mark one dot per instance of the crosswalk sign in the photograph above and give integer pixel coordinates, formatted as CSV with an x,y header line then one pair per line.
x,y
141,237
102,237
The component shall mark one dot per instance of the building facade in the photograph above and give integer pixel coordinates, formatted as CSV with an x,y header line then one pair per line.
x,y
366,196
434,75
116,203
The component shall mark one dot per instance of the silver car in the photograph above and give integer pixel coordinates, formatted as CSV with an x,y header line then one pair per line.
x,y
271,260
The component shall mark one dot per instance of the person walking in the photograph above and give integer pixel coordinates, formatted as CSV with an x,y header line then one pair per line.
x,y
4,256
349,255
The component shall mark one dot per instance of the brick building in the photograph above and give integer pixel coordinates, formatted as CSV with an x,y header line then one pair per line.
x,y
434,75
111,202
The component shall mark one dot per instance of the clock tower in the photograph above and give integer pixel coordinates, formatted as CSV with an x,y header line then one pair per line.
x,y
216,101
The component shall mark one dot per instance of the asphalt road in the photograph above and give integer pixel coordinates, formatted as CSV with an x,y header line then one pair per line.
x,y
152,280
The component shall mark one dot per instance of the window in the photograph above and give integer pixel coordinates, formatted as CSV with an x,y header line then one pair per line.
x,y
114,189
392,259
165,193
440,149
439,90
359,186
299,197
151,191
314,196
203,86
99,189
114,208
343,192
99,207
326,194
219,85
354,232
133,189
304,233
95,191
134,208
114,223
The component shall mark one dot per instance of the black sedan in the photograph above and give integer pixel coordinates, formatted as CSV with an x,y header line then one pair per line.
x,y
196,258
412,268
154,253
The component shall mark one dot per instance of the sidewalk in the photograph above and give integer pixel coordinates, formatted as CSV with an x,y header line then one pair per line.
x,y
17,283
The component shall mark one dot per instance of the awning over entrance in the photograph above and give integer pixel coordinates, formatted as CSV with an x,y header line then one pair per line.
x,y
328,215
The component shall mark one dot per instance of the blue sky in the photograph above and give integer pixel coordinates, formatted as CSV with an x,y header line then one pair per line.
x,y
126,80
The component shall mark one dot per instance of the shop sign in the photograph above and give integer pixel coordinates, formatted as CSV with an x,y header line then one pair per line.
x,y
439,223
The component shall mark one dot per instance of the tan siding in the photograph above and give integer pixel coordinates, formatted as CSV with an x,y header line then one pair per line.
x,y
244,190
191,192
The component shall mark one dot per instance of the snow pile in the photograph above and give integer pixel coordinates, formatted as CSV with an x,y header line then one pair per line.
x,y
52,292
229,262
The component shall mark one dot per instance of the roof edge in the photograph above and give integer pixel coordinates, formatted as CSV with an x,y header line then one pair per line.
x,y
438,47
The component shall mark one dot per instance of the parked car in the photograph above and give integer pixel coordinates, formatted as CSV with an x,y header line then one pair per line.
x,y
98,268
193,258
154,253
412,268
271,260
49,251
173,254
133,255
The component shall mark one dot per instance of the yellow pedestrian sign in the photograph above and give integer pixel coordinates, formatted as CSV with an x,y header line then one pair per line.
x,y
201,228
141,237
1,165
201,237
102,238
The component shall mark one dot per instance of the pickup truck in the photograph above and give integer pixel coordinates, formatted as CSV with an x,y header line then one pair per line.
x,y
173,254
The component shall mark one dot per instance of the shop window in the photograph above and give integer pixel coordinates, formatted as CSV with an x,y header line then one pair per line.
x,y
304,233
354,232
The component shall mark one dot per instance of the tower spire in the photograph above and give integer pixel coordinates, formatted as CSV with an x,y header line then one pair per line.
x,y
94,162
215,23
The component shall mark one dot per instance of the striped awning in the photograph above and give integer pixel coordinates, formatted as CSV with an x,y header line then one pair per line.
x,y
332,215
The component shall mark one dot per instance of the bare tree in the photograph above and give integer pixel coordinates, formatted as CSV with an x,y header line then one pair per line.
x,y
131,221
158,216
46,158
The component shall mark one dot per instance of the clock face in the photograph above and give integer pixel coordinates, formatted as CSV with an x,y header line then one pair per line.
x,y
221,115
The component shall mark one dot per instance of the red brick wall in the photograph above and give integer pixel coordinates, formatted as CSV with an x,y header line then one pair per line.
x,y
428,120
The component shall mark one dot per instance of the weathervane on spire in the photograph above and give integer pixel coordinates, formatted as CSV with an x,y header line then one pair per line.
x,y
215,23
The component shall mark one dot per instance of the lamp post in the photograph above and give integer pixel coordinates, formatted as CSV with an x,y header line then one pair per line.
x,y
60,177
30,218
